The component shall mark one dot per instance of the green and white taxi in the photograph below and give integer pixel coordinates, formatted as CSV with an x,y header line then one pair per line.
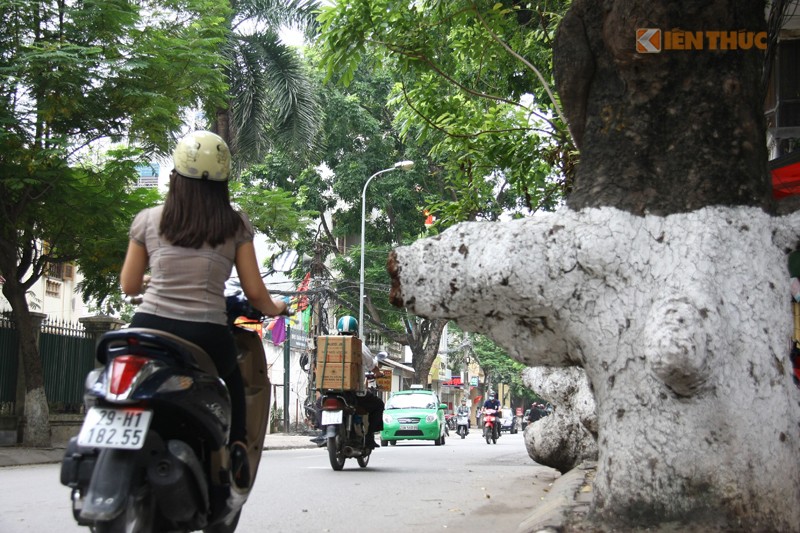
x,y
414,414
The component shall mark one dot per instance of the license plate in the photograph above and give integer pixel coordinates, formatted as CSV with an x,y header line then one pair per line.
x,y
410,427
331,417
106,427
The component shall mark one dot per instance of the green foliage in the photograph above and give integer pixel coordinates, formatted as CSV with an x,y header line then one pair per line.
x,y
497,365
74,78
112,204
472,91
360,140
272,102
276,212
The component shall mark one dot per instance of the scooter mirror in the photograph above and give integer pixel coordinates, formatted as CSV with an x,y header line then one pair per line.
x,y
285,261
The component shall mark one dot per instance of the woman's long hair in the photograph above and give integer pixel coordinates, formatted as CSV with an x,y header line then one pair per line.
x,y
197,212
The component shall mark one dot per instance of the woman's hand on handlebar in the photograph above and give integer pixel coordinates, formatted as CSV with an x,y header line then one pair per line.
x,y
280,308
287,309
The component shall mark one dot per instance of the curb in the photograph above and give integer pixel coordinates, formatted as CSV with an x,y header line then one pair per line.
x,y
571,494
18,456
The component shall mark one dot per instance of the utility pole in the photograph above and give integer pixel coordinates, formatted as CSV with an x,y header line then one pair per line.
x,y
287,347
316,323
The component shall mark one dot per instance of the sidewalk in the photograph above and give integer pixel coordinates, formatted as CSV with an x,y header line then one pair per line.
x,y
15,456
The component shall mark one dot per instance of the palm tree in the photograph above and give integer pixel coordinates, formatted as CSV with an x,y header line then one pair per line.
x,y
271,100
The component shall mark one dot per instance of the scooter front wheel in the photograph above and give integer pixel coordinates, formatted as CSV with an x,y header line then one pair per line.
x,y
487,435
230,527
137,517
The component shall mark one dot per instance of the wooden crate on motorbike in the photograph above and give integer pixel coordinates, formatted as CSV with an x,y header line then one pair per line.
x,y
338,349
339,376
339,363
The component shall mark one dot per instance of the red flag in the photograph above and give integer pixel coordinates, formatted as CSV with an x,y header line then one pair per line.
x,y
302,302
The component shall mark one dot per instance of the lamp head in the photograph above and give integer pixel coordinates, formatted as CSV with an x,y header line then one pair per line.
x,y
404,165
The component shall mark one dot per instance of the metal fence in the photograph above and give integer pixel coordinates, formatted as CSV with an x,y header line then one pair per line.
x,y
67,353
9,342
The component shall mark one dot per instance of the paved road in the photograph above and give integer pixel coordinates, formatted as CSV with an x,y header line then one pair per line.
x,y
466,484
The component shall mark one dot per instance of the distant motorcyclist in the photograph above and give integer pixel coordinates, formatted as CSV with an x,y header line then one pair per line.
x,y
493,403
348,325
463,410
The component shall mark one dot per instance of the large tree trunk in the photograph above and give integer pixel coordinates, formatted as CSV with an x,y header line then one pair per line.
x,y
681,324
663,132
425,338
36,411
681,320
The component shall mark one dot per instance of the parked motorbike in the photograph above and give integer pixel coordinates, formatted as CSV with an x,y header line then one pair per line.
x,y
462,422
450,419
152,454
345,429
491,426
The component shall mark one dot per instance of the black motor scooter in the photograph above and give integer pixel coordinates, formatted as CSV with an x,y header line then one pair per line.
x,y
152,454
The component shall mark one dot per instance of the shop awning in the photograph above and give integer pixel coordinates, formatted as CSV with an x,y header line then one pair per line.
x,y
395,364
785,172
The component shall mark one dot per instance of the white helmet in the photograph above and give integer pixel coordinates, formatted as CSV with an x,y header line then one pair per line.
x,y
202,155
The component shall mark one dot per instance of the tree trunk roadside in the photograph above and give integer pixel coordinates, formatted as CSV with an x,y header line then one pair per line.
x,y
684,339
425,347
36,412
665,132
665,280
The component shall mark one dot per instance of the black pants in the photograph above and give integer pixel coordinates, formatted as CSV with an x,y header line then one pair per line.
x,y
369,402
217,341
374,407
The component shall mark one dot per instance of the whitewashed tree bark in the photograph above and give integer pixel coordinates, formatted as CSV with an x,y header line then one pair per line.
x,y
567,437
682,325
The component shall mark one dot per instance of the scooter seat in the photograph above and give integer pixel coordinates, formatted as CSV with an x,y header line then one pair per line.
x,y
154,343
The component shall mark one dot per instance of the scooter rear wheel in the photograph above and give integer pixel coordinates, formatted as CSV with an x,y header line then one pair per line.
x,y
335,453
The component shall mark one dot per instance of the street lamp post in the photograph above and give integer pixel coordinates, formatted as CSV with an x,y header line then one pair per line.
x,y
402,165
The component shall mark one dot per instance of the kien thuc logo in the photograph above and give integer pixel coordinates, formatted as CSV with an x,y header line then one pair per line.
x,y
654,41
648,40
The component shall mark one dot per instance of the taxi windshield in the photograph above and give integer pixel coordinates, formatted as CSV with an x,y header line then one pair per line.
x,y
411,401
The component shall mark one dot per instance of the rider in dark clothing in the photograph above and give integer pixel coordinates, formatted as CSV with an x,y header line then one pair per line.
x,y
494,403
374,406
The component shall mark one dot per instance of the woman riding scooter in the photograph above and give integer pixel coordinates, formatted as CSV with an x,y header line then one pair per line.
x,y
190,244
